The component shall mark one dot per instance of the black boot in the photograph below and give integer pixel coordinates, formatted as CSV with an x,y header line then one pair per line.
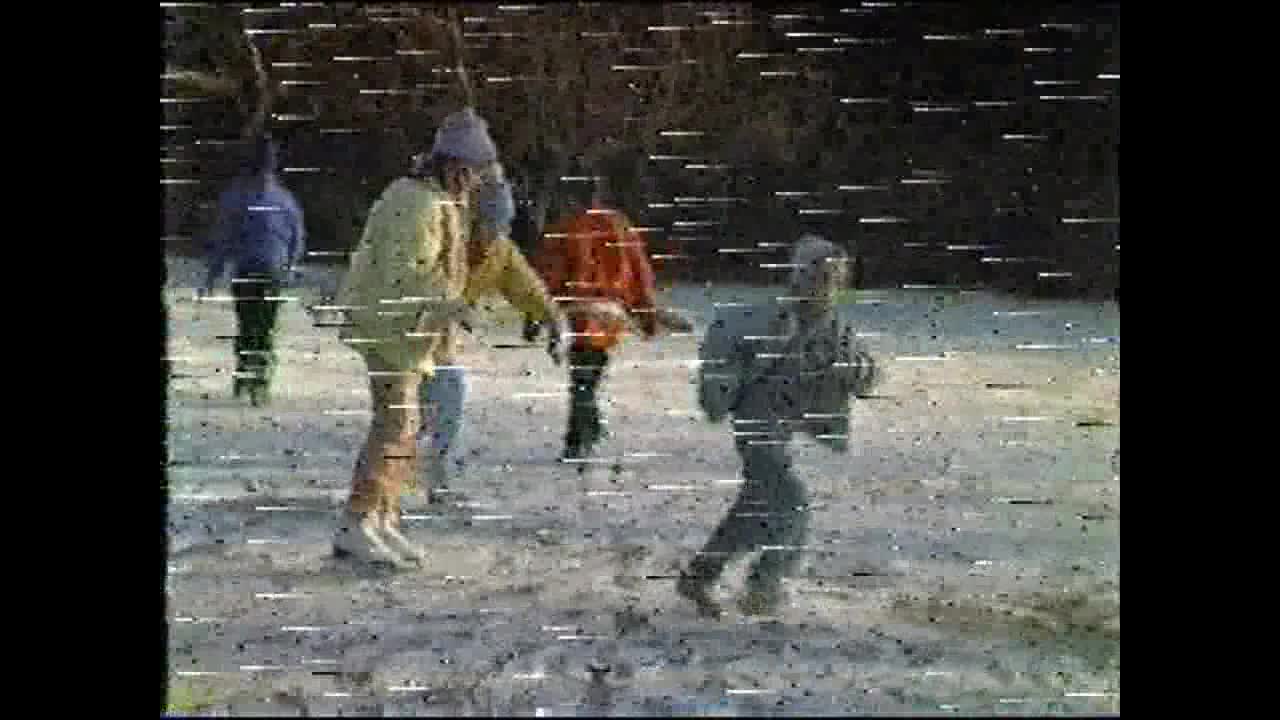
x,y
259,394
696,581
585,430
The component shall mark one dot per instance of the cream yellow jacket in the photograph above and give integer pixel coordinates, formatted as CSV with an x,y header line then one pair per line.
x,y
412,256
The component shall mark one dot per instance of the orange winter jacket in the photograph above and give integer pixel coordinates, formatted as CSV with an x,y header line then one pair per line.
x,y
596,255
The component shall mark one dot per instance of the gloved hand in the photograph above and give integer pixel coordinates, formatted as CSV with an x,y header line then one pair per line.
x,y
532,328
559,341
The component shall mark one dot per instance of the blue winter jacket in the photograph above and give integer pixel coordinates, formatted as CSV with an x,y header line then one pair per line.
x,y
259,226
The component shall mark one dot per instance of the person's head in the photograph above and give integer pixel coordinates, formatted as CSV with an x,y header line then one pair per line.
x,y
463,153
582,187
820,268
263,156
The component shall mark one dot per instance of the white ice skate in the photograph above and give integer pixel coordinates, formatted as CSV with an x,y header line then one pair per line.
x,y
397,543
358,537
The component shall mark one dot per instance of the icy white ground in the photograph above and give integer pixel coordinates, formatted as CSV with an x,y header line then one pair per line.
x,y
966,553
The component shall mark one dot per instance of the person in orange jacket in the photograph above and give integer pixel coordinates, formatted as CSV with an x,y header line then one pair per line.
x,y
596,266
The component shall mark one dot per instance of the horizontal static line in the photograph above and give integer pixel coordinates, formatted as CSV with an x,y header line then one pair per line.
x,y
992,259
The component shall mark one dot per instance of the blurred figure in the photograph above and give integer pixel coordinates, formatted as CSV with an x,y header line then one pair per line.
x,y
597,266
259,231
778,368
496,267
404,296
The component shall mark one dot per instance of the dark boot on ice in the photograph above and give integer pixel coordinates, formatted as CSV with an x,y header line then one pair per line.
x,y
259,395
760,603
697,590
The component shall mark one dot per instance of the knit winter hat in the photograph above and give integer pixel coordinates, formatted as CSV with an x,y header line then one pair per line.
x,y
810,252
465,135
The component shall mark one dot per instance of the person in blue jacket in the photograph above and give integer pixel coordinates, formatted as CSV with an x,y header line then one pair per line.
x,y
259,232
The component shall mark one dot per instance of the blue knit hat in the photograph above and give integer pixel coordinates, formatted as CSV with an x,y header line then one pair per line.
x,y
465,135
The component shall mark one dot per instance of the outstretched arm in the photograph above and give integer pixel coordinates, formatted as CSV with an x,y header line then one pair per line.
x,y
519,282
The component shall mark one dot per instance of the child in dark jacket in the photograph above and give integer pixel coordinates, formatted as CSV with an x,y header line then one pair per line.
x,y
778,368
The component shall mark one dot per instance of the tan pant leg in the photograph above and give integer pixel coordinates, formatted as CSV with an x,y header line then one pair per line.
x,y
389,456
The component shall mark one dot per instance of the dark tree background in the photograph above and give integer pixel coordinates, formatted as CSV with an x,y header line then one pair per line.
x,y
972,144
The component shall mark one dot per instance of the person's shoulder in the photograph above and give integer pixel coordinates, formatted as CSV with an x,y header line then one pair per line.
x,y
413,194
560,227
278,193
735,318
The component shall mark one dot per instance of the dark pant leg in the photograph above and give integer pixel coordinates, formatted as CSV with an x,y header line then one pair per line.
x,y
256,316
770,510
788,506
586,369
244,310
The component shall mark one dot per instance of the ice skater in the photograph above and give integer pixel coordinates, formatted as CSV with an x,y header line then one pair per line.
x,y
259,231
777,368
597,266
403,295
497,267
